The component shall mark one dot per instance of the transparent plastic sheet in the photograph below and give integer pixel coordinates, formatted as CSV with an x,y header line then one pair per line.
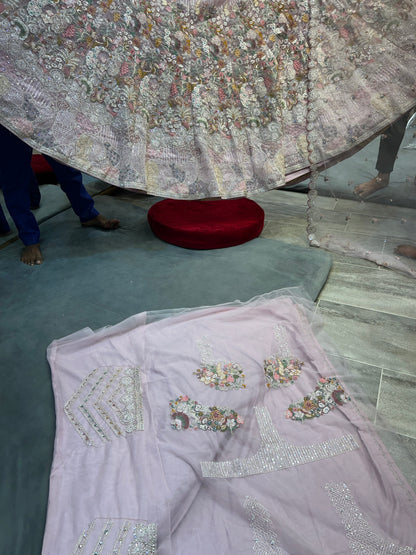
x,y
206,491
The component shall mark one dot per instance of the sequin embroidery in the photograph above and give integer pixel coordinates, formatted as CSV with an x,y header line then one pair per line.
x,y
328,395
276,453
187,414
265,538
117,535
108,402
281,369
362,539
222,376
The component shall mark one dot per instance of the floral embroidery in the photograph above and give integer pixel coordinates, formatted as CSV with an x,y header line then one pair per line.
x,y
328,394
222,376
281,369
187,414
280,372
185,99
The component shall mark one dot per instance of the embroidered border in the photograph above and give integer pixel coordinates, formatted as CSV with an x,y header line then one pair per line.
x,y
362,539
276,453
265,538
117,535
109,401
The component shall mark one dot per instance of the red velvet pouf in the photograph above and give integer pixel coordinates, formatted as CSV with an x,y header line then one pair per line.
x,y
43,171
206,224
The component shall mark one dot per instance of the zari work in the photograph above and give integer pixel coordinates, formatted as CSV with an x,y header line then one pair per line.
x,y
275,453
115,536
260,489
265,538
108,403
362,538
191,99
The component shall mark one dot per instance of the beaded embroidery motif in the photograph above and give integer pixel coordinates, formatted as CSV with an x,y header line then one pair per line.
x,y
187,414
276,453
362,539
108,401
328,394
265,538
117,535
219,375
281,369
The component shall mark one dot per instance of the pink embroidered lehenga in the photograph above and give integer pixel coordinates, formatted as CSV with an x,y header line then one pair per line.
x,y
192,100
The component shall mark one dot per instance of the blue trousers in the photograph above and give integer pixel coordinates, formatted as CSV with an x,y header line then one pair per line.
x,y
16,181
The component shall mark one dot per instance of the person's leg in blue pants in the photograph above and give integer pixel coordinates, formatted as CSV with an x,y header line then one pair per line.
x,y
4,224
70,181
16,179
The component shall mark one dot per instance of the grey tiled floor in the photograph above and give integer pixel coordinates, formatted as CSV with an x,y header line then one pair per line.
x,y
369,312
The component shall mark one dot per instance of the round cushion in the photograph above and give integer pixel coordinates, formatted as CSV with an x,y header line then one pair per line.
x,y
206,224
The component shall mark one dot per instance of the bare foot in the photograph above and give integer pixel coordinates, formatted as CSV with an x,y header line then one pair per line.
x,y
101,223
406,250
31,255
366,189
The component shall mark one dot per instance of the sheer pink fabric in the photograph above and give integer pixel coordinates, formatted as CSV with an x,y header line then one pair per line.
x,y
324,484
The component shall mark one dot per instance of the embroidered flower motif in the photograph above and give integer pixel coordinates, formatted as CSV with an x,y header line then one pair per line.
x,y
222,376
188,414
328,394
281,372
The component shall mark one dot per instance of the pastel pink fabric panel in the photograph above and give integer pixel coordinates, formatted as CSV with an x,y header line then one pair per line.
x,y
224,430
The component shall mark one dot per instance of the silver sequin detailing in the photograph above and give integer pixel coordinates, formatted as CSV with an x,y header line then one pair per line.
x,y
144,540
107,403
276,453
117,536
205,350
265,538
362,539
83,539
280,334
